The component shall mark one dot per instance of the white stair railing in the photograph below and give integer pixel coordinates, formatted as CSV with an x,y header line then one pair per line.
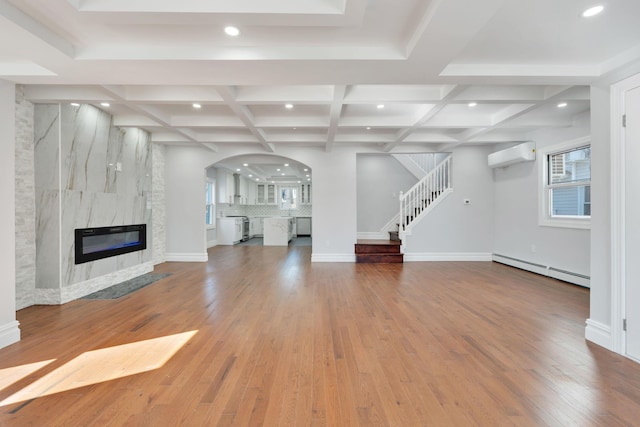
x,y
418,200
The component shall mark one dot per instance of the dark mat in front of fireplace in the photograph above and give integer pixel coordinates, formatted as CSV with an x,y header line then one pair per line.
x,y
127,287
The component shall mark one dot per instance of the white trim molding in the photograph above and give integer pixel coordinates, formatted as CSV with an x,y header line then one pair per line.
x,y
598,333
9,333
187,257
447,256
544,218
333,258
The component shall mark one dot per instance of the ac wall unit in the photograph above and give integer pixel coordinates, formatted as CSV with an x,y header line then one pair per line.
x,y
524,152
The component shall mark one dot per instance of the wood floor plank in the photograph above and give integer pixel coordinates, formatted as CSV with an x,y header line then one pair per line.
x,y
279,341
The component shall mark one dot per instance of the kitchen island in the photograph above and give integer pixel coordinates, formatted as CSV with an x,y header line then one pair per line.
x,y
278,231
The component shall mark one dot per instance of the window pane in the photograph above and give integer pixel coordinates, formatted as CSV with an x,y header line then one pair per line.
x,y
570,166
571,201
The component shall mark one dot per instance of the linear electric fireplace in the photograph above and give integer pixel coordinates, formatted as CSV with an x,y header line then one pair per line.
x,y
104,242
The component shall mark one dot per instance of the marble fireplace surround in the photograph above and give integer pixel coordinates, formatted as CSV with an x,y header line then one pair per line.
x,y
88,173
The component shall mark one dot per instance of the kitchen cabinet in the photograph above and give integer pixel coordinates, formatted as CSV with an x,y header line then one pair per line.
x,y
266,194
255,227
305,194
251,193
229,230
278,231
224,187
272,194
303,226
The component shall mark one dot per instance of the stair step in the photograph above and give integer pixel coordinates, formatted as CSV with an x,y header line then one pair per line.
x,y
377,247
380,258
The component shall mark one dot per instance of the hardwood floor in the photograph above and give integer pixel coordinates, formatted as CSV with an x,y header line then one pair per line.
x,y
281,341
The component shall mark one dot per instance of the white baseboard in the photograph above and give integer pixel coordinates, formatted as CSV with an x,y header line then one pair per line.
x,y
544,270
372,235
187,257
212,243
447,256
598,333
9,333
333,257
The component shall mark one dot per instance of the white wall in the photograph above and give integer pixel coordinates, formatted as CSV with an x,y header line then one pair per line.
x,y
453,230
380,178
9,331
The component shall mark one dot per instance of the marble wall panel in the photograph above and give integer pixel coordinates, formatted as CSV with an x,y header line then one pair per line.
x,y
158,204
25,202
105,179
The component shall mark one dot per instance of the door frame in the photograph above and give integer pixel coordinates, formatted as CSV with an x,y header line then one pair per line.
x,y
618,219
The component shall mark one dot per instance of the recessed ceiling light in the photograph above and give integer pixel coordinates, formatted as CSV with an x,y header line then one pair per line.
x,y
286,164
257,179
232,31
299,182
288,106
368,127
380,106
250,175
245,164
305,169
273,182
75,104
105,104
562,105
282,174
196,106
472,104
592,11
308,176
278,170
308,179
238,170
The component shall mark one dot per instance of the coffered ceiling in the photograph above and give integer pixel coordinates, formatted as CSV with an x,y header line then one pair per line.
x,y
386,74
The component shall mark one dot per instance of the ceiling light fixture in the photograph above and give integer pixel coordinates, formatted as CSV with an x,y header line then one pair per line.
x,y
238,170
286,164
250,175
245,164
380,106
562,105
105,104
278,170
257,179
308,179
75,104
592,11
232,31
368,127
288,106
196,106
472,104
282,174
305,169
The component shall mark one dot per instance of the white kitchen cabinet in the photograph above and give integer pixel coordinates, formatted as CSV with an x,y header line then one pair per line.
x,y
303,226
255,227
229,230
243,191
266,194
251,193
224,186
272,194
305,194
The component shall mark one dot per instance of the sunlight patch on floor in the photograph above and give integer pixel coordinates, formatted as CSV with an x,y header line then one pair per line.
x,y
14,374
93,367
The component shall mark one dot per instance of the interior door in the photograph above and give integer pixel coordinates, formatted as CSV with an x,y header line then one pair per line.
x,y
632,222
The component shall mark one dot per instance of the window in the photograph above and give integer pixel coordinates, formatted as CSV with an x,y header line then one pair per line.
x,y
210,209
288,197
566,185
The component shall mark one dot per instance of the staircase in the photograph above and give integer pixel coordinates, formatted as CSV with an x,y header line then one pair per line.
x,y
378,251
422,197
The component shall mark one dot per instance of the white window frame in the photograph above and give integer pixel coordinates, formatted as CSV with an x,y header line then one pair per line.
x,y
544,195
212,196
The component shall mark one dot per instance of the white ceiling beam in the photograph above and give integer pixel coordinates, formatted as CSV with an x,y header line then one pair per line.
x,y
334,115
64,93
173,94
128,120
450,94
119,94
38,30
244,115
206,121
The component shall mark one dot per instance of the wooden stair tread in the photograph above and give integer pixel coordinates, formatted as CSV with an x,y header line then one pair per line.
x,y
373,258
378,251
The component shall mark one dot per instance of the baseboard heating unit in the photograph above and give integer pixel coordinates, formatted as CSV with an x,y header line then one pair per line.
x,y
545,270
